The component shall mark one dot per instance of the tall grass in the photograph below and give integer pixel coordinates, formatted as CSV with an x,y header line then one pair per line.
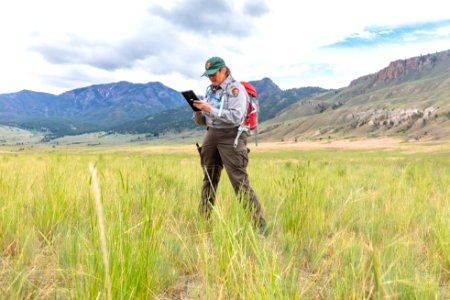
x,y
342,224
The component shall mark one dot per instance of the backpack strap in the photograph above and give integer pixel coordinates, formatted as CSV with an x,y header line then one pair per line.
x,y
227,90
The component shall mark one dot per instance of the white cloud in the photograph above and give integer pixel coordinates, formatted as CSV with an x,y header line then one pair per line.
x,y
53,46
443,31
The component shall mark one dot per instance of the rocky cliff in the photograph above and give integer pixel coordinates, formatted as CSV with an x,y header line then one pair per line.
x,y
408,98
405,69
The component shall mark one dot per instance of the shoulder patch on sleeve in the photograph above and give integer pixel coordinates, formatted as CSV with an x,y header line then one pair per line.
x,y
235,91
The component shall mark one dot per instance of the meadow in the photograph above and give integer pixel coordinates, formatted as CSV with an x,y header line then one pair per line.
x,y
343,224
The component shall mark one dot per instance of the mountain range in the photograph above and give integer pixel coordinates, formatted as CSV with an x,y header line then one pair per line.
x,y
408,98
93,108
124,107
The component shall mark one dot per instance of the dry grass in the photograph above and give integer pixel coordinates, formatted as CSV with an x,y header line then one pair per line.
x,y
344,223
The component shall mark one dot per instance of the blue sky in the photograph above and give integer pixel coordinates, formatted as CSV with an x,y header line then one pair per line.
x,y
54,46
388,35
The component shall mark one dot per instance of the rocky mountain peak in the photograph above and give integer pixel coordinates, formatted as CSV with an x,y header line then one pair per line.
x,y
403,69
265,87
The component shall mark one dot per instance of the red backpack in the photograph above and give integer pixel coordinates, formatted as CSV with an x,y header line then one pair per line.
x,y
250,123
251,119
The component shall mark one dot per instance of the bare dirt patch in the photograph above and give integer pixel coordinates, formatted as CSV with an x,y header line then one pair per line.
x,y
381,143
384,143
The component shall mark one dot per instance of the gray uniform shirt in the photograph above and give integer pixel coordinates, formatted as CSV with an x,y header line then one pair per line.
x,y
228,103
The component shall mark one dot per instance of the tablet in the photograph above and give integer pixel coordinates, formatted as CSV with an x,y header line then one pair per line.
x,y
190,96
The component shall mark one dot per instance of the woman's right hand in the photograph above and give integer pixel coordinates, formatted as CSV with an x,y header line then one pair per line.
x,y
202,105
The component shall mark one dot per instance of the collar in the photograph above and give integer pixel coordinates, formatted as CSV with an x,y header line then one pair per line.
x,y
226,82
223,85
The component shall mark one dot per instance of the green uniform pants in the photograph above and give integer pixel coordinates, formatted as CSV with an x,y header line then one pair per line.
x,y
217,152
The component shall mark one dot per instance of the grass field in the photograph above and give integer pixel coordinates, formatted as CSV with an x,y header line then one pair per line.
x,y
343,224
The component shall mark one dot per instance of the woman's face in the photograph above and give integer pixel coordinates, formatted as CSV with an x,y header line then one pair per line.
x,y
218,77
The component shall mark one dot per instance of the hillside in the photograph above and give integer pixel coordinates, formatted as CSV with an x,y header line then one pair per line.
x,y
93,108
117,102
409,98
25,104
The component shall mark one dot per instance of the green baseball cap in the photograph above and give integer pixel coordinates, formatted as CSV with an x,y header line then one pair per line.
x,y
213,65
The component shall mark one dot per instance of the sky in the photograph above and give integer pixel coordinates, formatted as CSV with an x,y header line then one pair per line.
x,y
54,46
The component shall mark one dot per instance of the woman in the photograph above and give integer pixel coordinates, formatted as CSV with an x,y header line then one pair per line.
x,y
223,111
